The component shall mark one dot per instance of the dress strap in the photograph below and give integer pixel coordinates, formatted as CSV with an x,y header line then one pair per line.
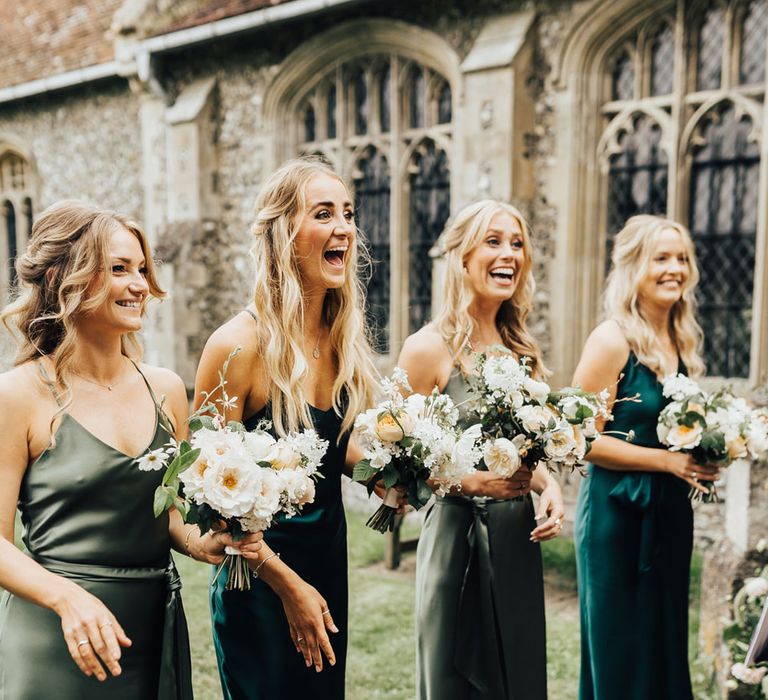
x,y
46,378
251,314
163,417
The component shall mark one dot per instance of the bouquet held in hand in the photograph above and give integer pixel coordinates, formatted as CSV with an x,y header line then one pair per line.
x,y
412,442
714,427
223,473
524,421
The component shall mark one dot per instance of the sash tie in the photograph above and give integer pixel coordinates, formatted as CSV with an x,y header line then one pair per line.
x,y
175,664
640,491
478,654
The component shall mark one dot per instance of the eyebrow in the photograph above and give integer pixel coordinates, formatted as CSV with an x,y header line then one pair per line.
x,y
127,261
519,234
330,205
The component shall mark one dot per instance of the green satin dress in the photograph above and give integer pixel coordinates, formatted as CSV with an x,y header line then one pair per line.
x,y
634,537
480,625
256,656
87,515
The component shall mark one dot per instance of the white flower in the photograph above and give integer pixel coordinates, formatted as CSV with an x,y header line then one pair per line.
x,y
589,428
193,477
750,676
501,457
756,587
283,456
757,439
228,486
153,460
681,437
298,488
534,419
560,442
265,494
679,387
466,452
538,391
259,444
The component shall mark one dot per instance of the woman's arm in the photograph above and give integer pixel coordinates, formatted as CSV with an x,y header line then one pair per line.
x,y
551,508
91,631
605,354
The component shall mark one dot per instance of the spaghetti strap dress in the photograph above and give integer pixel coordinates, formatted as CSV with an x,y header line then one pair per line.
x,y
634,538
480,627
86,511
256,657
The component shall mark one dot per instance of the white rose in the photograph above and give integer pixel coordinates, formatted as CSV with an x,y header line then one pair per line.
x,y
283,456
570,405
681,437
756,587
259,444
266,490
757,439
534,419
228,487
679,387
589,428
466,454
501,457
538,391
297,487
559,443
750,676
736,447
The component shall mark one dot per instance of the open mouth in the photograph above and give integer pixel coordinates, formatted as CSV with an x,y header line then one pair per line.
x,y
129,304
335,256
504,275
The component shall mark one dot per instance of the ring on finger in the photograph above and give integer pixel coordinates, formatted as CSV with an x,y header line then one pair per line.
x,y
106,624
299,639
82,642
326,612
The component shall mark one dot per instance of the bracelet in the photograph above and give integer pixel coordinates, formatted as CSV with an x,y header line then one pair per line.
x,y
264,561
186,540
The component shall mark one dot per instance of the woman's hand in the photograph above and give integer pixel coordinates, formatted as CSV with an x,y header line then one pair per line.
x,y
309,620
684,467
550,507
483,483
209,547
402,500
92,633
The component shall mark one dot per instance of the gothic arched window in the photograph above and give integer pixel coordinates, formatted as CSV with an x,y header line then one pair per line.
x,y
15,215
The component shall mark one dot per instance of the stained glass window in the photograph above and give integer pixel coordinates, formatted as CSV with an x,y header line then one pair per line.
x,y
754,34
723,221
710,54
430,203
663,61
372,193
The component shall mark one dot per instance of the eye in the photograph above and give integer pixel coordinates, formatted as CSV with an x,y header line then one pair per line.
x,y
492,240
118,268
323,214
143,271
349,216
517,244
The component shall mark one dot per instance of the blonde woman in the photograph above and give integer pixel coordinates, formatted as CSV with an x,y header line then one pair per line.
x,y
97,566
479,589
305,362
634,525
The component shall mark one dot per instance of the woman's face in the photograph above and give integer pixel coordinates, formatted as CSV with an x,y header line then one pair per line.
x,y
495,265
326,233
667,273
127,284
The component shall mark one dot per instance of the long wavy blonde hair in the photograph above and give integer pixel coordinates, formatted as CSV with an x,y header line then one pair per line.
x,y
278,300
454,321
64,275
632,253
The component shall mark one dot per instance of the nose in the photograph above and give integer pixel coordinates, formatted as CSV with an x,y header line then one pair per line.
x,y
139,284
343,226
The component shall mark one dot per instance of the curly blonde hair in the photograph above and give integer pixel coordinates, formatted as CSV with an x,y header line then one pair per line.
x,y
278,301
454,322
632,252
63,277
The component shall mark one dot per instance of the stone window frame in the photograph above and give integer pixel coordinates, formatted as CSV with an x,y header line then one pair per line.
x,y
304,78
19,191
593,51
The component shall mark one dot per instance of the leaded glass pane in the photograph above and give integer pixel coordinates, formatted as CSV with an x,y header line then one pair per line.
x,y
444,104
372,190
26,212
11,172
10,228
624,78
361,103
309,123
385,99
723,220
711,42
331,114
430,207
637,178
663,61
754,33
417,98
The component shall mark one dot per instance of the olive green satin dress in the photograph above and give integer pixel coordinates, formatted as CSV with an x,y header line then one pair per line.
x,y
480,624
87,515
634,537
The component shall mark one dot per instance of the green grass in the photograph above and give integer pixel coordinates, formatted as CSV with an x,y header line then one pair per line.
x,y
381,659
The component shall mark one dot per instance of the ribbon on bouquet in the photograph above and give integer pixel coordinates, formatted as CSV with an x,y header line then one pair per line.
x,y
175,665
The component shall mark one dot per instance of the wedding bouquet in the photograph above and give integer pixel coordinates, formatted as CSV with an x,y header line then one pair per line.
x,y
409,442
523,420
715,427
222,472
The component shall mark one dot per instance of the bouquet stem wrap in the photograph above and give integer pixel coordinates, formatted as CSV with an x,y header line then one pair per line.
x,y
384,517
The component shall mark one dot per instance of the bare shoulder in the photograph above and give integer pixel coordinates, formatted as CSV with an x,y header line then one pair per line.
x,y
608,340
603,356
239,333
164,381
21,389
425,345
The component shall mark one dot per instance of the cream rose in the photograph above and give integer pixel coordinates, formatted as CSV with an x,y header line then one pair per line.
x,y
534,419
283,457
560,443
390,430
501,457
681,437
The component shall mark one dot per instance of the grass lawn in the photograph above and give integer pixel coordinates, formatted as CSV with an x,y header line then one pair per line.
x,y
382,627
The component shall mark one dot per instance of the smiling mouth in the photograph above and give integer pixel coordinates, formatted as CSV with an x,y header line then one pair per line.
x,y
129,304
335,256
503,274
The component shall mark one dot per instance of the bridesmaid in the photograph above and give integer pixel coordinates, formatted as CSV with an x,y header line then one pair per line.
x,y
479,588
634,523
305,362
97,566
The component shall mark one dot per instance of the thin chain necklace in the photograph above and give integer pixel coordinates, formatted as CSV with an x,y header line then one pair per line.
x,y
108,387
316,351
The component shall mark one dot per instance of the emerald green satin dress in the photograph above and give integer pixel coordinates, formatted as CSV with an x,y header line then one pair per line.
x,y
86,511
634,537
480,626
256,656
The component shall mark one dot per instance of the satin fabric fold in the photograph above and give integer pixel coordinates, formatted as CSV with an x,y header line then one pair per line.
x,y
640,491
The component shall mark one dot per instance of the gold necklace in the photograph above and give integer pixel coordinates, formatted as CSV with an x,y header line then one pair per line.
x,y
316,351
108,387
